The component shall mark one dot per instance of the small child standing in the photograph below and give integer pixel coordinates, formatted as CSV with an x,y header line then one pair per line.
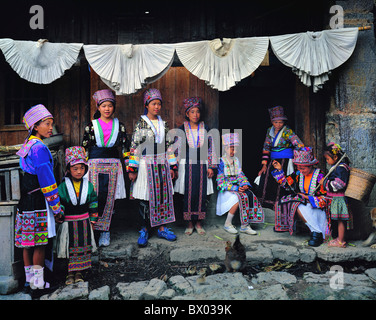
x,y
235,190
335,185
79,201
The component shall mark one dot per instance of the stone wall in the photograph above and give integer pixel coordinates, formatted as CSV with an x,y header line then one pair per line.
x,y
352,114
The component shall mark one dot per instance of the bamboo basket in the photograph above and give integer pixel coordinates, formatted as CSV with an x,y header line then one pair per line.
x,y
360,184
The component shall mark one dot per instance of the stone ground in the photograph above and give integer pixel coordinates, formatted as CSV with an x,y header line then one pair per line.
x,y
279,267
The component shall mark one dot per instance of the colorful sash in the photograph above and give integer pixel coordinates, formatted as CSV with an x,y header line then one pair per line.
x,y
253,214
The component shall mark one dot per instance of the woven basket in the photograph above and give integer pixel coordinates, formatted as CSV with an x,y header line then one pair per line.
x,y
360,184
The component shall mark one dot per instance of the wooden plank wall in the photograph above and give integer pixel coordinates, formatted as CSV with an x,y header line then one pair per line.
x,y
176,85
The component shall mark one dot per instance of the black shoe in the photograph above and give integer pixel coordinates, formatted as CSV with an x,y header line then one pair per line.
x,y
316,239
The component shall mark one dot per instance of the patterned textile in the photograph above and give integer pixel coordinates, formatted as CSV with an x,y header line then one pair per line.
x,y
79,211
340,210
286,207
231,180
249,212
36,159
143,134
35,114
194,155
192,102
101,96
335,184
277,113
31,226
286,138
161,205
230,139
151,94
104,175
304,156
75,155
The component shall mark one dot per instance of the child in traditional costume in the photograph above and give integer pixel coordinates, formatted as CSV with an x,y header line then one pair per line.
x,y
79,202
304,199
235,190
151,167
39,205
102,139
335,185
196,165
279,145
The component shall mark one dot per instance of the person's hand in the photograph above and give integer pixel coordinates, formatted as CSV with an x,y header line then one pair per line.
x,y
132,176
277,165
303,195
59,218
243,188
210,173
174,174
263,170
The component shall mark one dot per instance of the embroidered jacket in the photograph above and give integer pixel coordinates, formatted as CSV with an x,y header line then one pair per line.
x,y
36,159
288,139
143,133
336,183
205,142
90,139
77,204
230,177
296,181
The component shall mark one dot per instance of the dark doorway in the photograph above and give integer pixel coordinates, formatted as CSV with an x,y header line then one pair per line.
x,y
246,105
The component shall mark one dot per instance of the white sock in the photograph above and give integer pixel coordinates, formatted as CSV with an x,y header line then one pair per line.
x,y
228,221
29,272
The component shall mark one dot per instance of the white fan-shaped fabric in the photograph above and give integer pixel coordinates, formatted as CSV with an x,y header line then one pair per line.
x,y
221,64
40,61
315,54
127,68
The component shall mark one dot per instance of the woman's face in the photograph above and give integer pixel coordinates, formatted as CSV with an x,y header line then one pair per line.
x,y
106,109
329,160
231,151
154,107
305,170
278,124
194,114
77,171
44,129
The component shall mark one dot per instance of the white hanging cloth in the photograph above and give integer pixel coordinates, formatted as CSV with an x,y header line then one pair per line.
x,y
127,68
221,64
315,54
40,61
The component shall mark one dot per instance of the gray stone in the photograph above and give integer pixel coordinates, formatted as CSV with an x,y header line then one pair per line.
x,y
131,290
102,293
195,254
75,291
168,294
154,289
285,252
180,285
274,277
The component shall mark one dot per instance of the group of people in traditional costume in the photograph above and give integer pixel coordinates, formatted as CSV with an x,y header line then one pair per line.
x,y
158,164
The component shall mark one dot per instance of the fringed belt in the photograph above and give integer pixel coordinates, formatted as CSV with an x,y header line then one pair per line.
x,y
77,217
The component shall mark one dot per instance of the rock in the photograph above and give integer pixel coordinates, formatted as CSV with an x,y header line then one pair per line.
x,y
131,290
75,291
154,289
260,255
274,277
168,294
102,293
180,285
284,252
195,254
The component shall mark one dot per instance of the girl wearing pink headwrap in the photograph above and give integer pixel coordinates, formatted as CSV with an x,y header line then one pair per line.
x,y
103,138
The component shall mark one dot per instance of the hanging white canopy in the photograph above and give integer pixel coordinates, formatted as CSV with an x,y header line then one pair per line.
x,y
221,64
315,54
127,68
40,61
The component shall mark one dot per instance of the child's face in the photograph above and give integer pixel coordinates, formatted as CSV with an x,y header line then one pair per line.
x,y
106,109
305,170
154,107
194,115
77,171
231,151
278,124
329,160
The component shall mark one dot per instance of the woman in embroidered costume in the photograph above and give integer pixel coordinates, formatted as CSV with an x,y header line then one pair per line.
x,y
151,167
102,138
235,190
279,144
195,179
335,185
40,202
303,199
75,239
